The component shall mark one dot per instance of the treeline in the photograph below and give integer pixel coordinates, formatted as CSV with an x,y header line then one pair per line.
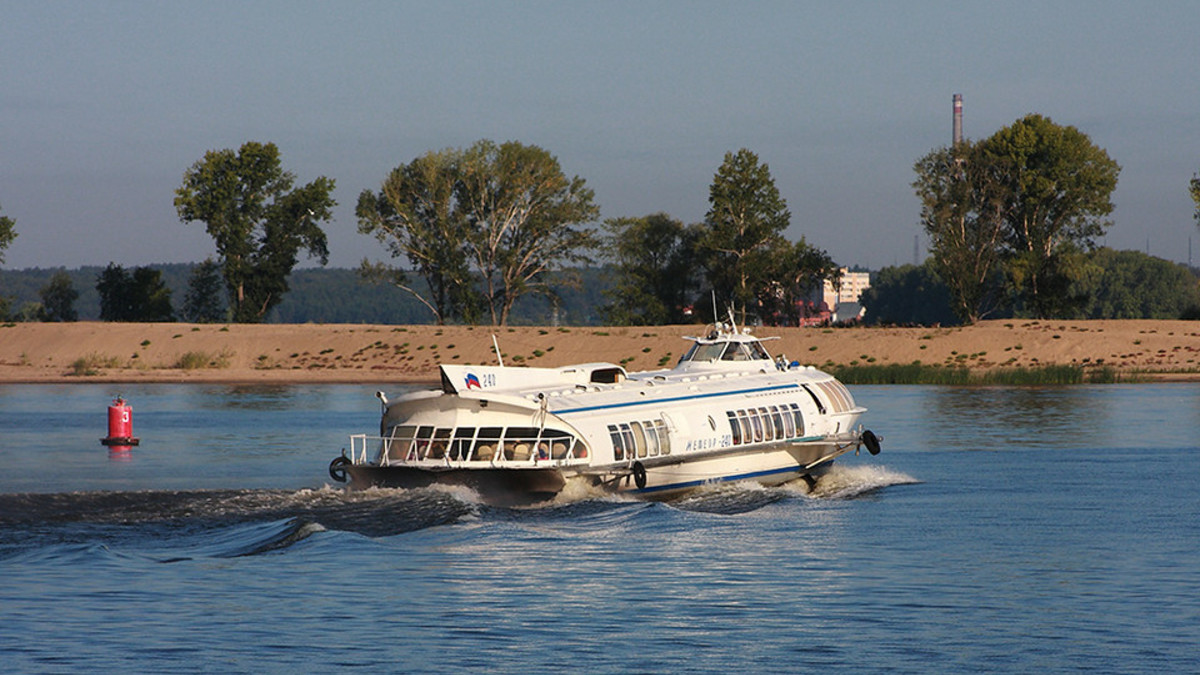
x,y
316,296
1118,285
1110,284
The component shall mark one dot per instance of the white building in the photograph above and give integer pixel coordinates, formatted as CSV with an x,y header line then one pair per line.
x,y
844,301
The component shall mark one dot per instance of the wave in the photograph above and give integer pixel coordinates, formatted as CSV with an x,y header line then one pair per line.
x,y
847,482
182,525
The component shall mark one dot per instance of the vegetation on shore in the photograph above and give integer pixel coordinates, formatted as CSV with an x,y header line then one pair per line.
x,y
918,373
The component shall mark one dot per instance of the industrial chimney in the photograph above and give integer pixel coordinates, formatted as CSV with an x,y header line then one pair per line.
x,y
957,119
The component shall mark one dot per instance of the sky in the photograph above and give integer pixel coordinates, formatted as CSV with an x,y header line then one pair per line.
x,y
104,105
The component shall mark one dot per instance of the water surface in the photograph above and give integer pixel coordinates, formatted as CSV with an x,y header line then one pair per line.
x,y
1002,529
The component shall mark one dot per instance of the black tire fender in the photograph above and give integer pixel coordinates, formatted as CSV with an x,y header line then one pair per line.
x,y
870,440
337,468
639,475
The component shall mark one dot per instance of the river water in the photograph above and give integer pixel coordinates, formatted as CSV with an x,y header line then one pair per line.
x,y
1001,530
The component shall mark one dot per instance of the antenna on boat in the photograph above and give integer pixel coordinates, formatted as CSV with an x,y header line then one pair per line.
x,y
496,345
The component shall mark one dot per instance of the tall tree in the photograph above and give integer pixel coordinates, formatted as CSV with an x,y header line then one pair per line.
x,y
1059,187
414,216
522,215
58,298
257,220
964,210
654,269
746,216
202,303
8,232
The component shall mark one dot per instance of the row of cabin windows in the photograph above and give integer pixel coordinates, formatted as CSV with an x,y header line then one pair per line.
x,y
639,439
482,444
768,423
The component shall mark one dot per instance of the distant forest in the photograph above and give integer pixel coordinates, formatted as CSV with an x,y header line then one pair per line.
x,y
328,295
1120,285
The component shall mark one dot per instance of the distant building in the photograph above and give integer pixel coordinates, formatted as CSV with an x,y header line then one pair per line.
x,y
844,300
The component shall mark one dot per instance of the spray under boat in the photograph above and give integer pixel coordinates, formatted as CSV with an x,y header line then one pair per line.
x,y
726,412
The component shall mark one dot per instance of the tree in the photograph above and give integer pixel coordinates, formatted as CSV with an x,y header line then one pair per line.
x,y
58,298
746,217
909,294
141,296
1058,186
521,213
202,302
791,272
654,270
414,216
964,210
258,222
1133,285
8,232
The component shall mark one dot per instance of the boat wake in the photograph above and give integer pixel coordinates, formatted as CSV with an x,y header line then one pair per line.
x,y
848,482
172,526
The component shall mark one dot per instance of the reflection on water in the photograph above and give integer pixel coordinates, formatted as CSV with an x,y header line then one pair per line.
x,y
1032,418
1006,418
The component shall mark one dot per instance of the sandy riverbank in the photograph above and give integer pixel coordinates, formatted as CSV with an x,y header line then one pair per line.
x,y
175,352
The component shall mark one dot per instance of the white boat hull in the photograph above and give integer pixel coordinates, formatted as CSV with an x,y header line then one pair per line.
x,y
727,412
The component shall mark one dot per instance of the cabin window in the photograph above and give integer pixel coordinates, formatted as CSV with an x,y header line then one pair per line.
x,y
664,441
421,444
744,421
756,423
757,351
789,423
735,427
400,444
628,434
618,442
460,447
798,418
651,438
519,443
768,426
608,376
639,438
556,444
705,352
439,445
487,443
780,432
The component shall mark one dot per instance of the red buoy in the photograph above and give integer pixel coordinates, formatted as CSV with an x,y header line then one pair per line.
x,y
120,426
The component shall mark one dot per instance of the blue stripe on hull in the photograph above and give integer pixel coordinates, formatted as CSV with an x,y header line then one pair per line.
x,y
675,399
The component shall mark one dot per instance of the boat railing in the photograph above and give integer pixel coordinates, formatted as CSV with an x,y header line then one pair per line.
x,y
393,451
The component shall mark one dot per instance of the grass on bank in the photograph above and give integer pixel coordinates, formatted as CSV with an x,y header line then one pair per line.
x,y
198,360
917,373
91,364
